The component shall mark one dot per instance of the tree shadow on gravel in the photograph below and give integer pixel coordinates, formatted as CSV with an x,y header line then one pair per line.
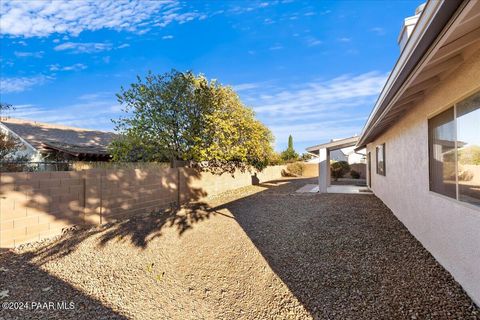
x,y
137,230
341,256
123,204
24,282
141,230
347,256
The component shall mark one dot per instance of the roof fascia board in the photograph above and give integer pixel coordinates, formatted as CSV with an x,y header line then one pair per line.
x,y
348,142
430,24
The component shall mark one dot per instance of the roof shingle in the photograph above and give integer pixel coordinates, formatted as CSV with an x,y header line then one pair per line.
x,y
40,134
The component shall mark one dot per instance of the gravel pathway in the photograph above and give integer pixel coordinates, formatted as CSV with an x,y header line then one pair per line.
x,y
261,252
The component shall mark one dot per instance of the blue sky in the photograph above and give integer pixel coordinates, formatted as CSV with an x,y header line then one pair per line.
x,y
312,69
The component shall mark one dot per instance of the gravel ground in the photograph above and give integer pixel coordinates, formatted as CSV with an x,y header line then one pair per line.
x,y
261,252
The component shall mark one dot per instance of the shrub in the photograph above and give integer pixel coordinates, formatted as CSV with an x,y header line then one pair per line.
x,y
296,169
339,169
275,159
306,156
355,174
469,155
466,175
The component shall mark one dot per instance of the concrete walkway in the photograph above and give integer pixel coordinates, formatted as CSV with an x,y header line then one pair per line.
x,y
348,189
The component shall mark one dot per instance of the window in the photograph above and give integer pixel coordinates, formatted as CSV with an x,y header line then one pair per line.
x,y
381,159
454,151
442,153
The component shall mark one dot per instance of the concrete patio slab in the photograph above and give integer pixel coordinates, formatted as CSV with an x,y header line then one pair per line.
x,y
348,189
313,188
309,188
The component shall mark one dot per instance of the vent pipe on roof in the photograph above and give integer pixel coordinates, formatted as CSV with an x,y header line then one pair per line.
x,y
408,26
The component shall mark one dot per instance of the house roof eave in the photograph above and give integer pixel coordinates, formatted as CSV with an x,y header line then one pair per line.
x,y
333,145
430,25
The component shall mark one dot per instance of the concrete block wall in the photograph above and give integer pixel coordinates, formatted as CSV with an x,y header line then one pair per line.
x,y
39,205
112,193
360,168
196,185
311,170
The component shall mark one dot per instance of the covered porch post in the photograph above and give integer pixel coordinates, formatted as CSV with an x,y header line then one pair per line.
x,y
323,170
323,151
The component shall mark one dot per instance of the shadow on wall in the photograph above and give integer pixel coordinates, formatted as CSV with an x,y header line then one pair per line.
x,y
339,257
41,205
34,206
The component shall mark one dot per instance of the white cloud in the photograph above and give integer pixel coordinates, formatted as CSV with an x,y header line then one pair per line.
x,y
344,39
316,110
73,67
124,45
172,15
319,132
276,47
93,111
19,84
245,86
322,95
312,41
96,96
42,18
268,21
167,37
6,62
24,54
378,30
83,47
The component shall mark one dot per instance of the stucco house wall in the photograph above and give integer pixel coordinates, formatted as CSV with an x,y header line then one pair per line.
x,y
449,229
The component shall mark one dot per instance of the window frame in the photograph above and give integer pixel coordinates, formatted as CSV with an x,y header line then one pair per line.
x,y
384,171
451,105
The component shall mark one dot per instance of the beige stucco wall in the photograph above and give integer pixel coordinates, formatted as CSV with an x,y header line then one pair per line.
x,y
449,229
310,170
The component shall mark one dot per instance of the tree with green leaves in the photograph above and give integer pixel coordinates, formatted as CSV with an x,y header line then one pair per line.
x,y
8,148
9,145
183,116
306,156
289,154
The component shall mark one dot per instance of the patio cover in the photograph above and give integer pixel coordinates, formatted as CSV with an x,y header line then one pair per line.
x,y
323,152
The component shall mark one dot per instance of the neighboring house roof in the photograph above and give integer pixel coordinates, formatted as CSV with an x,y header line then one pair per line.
x,y
442,39
338,155
47,136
